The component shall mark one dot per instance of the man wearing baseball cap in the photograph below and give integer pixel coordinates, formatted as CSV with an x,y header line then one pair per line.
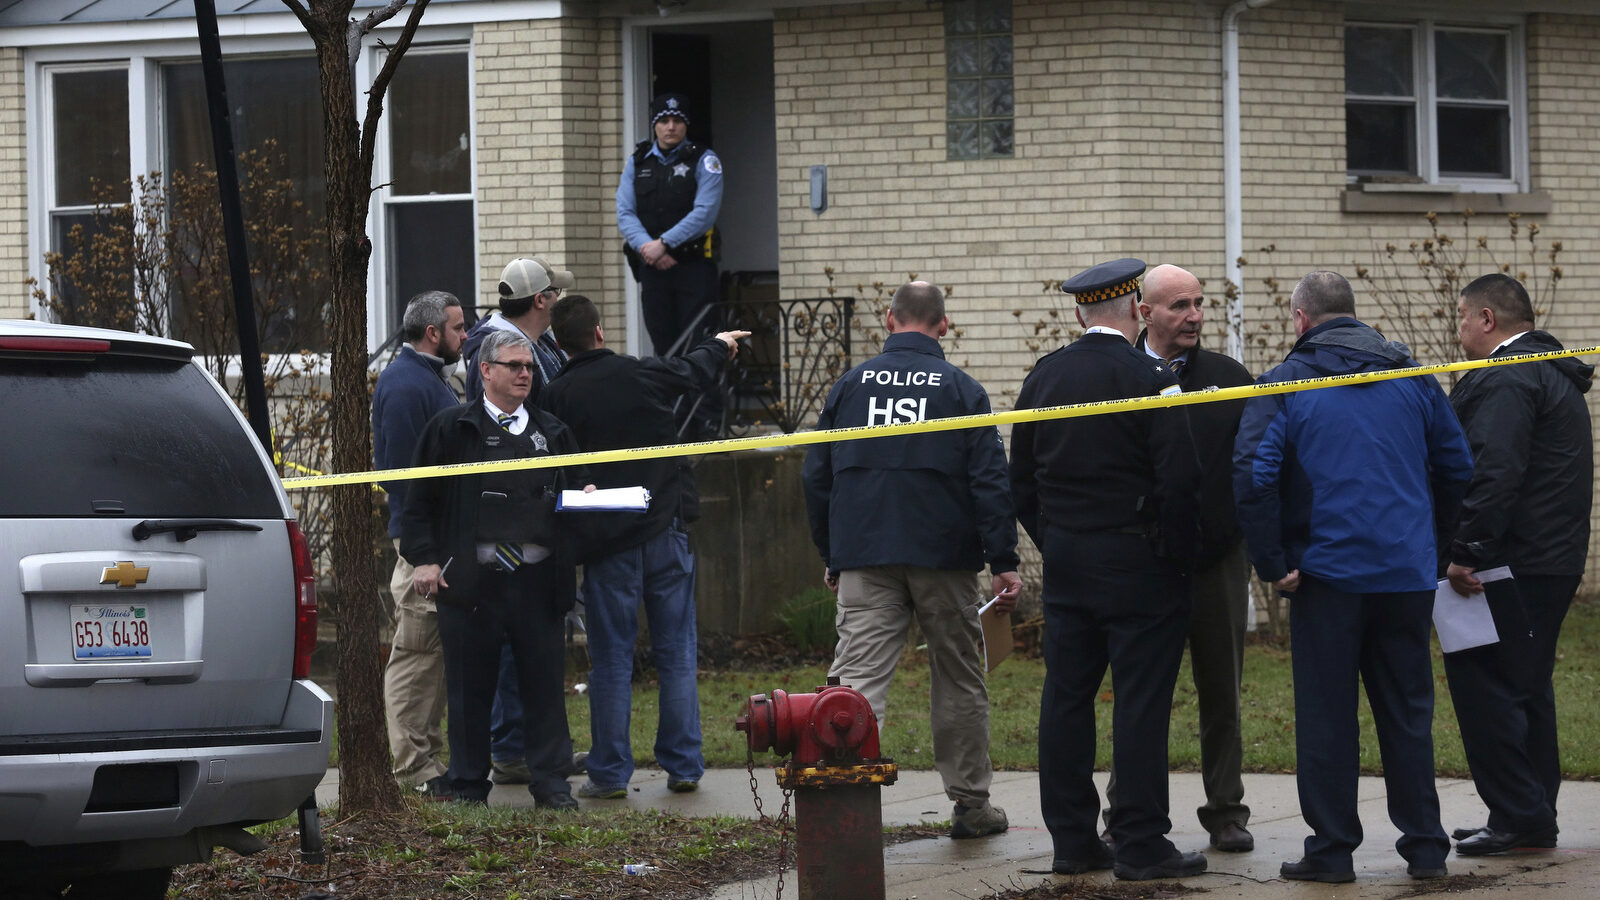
x,y
529,287
667,205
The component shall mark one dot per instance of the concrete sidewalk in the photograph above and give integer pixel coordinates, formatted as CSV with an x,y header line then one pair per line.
x,y
968,869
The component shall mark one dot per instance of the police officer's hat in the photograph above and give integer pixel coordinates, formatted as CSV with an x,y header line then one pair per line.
x,y
1105,281
669,105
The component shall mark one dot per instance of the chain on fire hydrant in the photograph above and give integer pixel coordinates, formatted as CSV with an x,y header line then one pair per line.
x,y
836,773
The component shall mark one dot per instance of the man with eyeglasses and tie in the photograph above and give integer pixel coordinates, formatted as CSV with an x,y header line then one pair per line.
x,y
528,290
1173,308
489,548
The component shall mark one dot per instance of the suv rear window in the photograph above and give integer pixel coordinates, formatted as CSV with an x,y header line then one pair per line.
x,y
149,436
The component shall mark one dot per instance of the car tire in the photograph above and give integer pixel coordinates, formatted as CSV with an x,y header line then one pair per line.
x,y
140,884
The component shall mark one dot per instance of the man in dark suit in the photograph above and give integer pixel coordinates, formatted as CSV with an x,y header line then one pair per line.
x,y
1111,501
490,548
1527,506
1173,309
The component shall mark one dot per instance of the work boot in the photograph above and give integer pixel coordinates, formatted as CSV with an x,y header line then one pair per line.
x,y
977,821
511,771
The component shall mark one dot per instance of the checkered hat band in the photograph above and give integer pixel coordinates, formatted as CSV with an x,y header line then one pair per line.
x,y
1106,293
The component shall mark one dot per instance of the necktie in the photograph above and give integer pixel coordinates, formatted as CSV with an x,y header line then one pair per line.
x,y
509,556
1176,365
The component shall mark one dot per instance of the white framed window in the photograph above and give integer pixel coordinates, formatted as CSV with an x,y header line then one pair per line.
x,y
85,138
1436,103
427,223
115,109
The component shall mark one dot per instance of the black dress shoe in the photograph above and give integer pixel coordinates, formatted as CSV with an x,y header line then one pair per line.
x,y
1421,872
1490,841
1178,865
556,801
1462,834
1304,870
1233,838
1099,858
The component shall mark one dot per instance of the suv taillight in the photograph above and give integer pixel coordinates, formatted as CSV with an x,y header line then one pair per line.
x,y
305,602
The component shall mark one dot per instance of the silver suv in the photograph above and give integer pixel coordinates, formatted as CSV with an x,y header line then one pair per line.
x,y
159,615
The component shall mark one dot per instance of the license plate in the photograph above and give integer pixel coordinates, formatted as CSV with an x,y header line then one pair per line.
x,y
102,631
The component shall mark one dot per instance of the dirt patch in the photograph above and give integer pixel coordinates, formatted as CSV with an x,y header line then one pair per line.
x,y
450,850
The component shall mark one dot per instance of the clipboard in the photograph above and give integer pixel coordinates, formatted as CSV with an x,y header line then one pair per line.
x,y
996,633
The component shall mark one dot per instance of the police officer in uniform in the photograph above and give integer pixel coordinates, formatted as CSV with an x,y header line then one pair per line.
x,y
902,523
1111,501
667,208
489,549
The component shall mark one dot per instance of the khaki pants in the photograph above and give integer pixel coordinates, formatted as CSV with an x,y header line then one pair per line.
x,y
875,609
413,683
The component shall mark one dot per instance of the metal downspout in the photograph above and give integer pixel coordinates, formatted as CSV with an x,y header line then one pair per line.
x,y
1232,192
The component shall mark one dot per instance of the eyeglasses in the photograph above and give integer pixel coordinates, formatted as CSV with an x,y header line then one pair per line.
x,y
518,367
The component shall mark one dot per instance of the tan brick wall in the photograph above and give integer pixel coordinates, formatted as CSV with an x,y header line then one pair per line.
x,y
549,153
1117,153
14,302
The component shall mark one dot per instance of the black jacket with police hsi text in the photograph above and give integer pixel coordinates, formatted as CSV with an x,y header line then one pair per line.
x,y
936,500
1533,466
440,522
1112,471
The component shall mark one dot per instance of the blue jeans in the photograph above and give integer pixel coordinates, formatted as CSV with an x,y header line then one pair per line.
x,y
660,573
505,717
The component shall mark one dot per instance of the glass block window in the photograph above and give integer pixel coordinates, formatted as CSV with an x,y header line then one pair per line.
x,y
1433,103
978,79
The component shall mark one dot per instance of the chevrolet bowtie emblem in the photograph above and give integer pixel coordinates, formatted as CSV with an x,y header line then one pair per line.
x,y
125,575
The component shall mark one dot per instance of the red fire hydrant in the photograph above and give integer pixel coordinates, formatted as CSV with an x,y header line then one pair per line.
x,y
836,773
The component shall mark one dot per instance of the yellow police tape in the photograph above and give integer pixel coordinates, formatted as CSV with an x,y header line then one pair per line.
x,y
865,432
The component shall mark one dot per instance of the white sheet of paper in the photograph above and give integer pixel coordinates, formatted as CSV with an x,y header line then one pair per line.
x,y
635,499
1500,573
1464,622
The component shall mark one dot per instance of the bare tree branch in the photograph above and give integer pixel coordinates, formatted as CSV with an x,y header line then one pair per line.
x,y
377,17
380,84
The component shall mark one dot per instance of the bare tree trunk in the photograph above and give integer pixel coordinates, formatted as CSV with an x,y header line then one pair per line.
x,y
366,785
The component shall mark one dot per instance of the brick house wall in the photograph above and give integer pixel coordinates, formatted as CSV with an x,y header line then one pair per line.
x,y
548,105
14,191
1119,152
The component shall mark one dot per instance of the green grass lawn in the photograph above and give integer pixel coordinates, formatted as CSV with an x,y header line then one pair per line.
x,y
1014,690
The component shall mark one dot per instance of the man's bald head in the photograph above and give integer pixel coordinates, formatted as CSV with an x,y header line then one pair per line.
x,y
917,303
1173,309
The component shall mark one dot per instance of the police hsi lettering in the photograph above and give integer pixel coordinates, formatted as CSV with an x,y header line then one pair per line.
x,y
896,410
877,376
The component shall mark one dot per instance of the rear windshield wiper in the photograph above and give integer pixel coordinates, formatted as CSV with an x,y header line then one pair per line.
x,y
186,529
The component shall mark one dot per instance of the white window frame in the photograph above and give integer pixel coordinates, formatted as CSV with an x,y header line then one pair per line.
x,y
1425,97
381,320
173,41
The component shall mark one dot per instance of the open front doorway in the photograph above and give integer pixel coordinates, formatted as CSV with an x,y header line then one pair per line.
x,y
725,69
